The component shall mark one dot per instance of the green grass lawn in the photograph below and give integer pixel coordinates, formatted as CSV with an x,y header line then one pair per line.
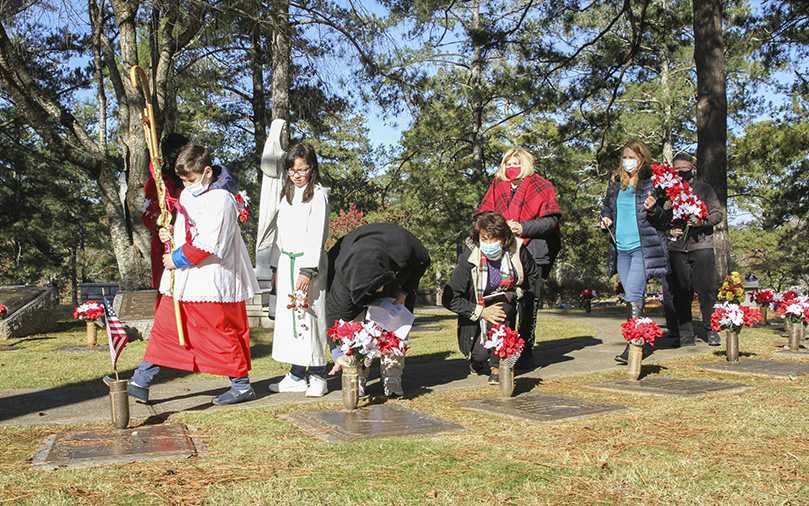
x,y
744,448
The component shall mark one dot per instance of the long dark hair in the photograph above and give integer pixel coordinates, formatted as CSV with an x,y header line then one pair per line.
x,y
307,152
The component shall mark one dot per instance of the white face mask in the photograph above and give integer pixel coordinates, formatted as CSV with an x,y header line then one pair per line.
x,y
197,188
630,165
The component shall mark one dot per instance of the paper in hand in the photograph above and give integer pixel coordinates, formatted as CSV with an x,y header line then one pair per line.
x,y
391,317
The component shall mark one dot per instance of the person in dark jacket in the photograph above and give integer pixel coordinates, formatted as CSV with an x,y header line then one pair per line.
x,y
693,265
638,224
374,261
494,261
528,202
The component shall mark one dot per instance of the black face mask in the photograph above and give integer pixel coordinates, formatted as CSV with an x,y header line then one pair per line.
x,y
687,175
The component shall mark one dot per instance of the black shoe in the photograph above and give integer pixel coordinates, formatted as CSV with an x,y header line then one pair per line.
x,y
623,358
494,378
234,397
713,338
479,368
687,341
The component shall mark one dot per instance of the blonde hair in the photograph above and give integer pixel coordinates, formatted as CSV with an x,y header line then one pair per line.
x,y
644,158
526,163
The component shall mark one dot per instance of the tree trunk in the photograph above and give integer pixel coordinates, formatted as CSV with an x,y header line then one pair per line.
x,y
668,114
282,35
712,112
258,101
477,96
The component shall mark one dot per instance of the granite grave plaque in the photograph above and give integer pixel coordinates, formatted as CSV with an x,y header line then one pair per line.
x,y
371,422
541,408
15,297
766,368
671,386
138,305
110,446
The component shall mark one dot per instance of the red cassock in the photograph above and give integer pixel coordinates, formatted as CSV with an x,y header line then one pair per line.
x,y
217,338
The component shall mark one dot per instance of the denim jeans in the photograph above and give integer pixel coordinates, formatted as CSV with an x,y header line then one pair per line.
x,y
632,274
298,372
146,372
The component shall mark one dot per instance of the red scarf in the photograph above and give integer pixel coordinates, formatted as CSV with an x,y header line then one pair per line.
x,y
533,199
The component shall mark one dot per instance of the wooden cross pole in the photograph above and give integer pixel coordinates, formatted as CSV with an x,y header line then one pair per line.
x,y
164,220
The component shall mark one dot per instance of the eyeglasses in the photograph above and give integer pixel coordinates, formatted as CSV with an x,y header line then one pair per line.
x,y
299,172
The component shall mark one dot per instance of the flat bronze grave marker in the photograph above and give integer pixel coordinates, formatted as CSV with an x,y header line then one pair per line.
x,y
766,368
541,408
371,422
110,446
138,305
671,386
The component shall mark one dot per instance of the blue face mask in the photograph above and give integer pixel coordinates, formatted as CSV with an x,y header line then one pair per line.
x,y
197,188
491,250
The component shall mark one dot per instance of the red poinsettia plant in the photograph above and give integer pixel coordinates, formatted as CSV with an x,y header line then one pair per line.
x,y
795,309
3,310
667,182
730,316
505,343
589,293
90,310
361,340
686,207
638,331
241,205
762,297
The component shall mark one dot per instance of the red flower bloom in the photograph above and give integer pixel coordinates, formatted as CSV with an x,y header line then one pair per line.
x,y
641,330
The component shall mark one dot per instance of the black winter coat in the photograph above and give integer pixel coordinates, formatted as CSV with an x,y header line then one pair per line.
x,y
652,226
372,256
459,294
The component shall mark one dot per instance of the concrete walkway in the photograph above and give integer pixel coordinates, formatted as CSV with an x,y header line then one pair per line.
x,y
90,404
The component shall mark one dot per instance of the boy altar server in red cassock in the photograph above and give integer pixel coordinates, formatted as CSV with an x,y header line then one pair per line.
x,y
213,276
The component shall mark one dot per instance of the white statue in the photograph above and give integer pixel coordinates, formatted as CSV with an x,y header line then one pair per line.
x,y
272,169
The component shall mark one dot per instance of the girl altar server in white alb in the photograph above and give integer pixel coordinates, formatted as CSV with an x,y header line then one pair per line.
x,y
301,266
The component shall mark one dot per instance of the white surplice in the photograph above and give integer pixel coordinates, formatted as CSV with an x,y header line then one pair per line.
x,y
300,335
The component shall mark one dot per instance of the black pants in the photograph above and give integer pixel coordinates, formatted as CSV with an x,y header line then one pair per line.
x,y
479,353
528,315
668,307
694,271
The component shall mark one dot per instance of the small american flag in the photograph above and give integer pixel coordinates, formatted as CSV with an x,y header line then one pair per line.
x,y
115,333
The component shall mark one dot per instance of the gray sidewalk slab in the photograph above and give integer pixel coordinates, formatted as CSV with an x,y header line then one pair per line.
x,y
90,404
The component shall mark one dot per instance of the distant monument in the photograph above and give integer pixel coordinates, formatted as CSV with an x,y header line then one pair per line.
x,y
272,160
31,310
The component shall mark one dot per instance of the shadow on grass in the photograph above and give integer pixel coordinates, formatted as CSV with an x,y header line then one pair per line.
x,y
41,401
651,370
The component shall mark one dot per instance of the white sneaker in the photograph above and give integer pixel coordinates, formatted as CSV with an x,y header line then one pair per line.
x,y
393,386
317,386
289,385
361,381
